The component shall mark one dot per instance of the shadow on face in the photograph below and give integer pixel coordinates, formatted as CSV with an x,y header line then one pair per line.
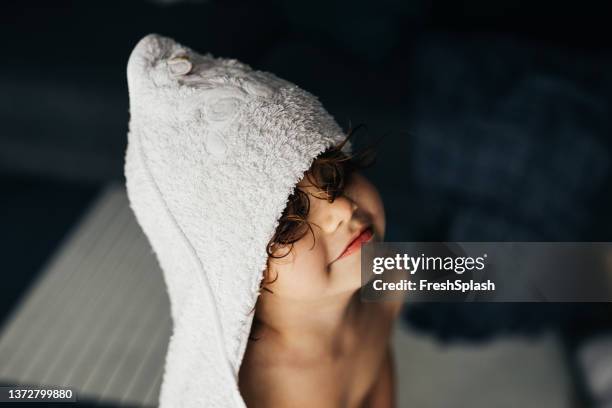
x,y
318,265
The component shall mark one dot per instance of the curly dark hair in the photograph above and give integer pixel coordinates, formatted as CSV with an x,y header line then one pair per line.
x,y
329,173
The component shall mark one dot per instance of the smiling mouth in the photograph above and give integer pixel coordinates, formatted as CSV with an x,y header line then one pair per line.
x,y
355,245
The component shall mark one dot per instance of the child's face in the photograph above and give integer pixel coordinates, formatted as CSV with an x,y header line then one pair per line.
x,y
314,270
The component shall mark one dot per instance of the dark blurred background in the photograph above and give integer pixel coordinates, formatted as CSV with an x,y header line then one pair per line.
x,y
495,117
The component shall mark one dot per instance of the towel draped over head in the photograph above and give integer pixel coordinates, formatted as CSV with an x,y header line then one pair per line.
x,y
214,151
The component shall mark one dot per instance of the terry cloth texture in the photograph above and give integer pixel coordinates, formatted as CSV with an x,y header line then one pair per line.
x,y
214,151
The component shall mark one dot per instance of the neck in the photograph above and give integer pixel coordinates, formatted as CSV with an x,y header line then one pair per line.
x,y
306,326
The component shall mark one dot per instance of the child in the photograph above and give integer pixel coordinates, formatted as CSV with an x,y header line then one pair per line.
x,y
250,198
316,344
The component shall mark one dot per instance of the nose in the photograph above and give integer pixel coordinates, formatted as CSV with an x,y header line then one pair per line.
x,y
337,213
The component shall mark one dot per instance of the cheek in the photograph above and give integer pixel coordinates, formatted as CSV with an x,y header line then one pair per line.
x,y
303,273
378,212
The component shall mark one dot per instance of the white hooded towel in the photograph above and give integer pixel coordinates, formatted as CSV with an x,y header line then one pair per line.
x,y
214,151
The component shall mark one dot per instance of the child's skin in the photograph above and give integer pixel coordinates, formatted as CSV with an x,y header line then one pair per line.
x,y
318,344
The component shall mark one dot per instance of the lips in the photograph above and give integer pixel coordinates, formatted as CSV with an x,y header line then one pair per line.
x,y
355,245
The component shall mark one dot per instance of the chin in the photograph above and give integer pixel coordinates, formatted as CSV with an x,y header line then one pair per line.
x,y
349,275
